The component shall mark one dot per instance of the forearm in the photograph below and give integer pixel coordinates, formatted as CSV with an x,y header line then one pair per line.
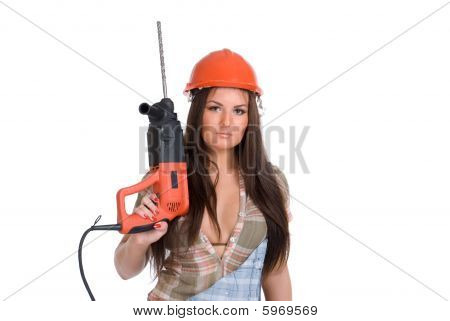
x,y
130,258
277,286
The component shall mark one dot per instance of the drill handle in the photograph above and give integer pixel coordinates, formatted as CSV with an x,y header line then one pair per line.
x,y
128,221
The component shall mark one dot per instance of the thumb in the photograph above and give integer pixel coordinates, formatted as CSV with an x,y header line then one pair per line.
x,y
161,226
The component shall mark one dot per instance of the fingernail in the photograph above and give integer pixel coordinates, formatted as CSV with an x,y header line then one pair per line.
x,y
157,225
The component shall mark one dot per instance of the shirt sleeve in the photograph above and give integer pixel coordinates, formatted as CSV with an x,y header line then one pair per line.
x,y
284,185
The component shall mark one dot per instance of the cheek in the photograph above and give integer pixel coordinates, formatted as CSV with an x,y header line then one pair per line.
x,y
207,122
240,126
210,119
243,123
206,128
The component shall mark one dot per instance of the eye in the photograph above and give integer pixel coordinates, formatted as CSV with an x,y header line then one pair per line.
x,y
239,110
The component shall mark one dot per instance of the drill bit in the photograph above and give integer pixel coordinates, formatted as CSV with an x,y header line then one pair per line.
x,y
161,57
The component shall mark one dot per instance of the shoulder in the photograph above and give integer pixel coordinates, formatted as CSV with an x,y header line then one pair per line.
x,y
284,186
281,178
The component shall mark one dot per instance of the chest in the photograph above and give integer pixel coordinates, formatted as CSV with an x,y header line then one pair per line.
x,y
228,200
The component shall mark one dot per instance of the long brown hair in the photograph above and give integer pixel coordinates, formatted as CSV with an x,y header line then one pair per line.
x,y
261,185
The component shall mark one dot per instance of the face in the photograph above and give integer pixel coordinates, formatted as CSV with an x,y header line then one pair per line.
x,y
226,111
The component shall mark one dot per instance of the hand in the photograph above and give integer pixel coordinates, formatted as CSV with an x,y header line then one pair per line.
x,y
148,207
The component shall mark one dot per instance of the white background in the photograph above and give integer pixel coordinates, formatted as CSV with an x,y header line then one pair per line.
x,y
370,235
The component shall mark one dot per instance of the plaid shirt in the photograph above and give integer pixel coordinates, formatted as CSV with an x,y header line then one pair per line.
x,y
243,284
187,273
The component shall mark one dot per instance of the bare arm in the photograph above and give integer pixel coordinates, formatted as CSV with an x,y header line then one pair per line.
x,y
131,257
277,285
134,250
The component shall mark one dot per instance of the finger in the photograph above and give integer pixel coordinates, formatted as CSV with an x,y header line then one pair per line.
x,y
161,227
153,197
141,212
148,197
150,205
148,213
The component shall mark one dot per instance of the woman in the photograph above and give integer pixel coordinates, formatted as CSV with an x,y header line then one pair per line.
x,y
235,238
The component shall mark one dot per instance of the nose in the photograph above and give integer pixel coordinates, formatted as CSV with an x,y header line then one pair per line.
x,y
226,119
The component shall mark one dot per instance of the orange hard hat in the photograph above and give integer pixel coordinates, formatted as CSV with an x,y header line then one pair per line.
x,y
223,68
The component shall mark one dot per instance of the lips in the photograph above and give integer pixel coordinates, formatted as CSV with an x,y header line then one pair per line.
x,y
224,134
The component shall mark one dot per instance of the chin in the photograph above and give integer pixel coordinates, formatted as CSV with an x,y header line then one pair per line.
x,y
222,146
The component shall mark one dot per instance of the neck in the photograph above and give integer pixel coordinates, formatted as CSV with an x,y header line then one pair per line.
x,y
226,162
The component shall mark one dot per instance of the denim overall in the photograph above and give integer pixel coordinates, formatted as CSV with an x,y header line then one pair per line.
x,y
243,284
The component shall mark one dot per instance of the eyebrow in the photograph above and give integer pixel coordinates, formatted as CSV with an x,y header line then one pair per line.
x,y
244,105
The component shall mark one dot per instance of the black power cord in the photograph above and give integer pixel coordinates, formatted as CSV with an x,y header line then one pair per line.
x,y
110,227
